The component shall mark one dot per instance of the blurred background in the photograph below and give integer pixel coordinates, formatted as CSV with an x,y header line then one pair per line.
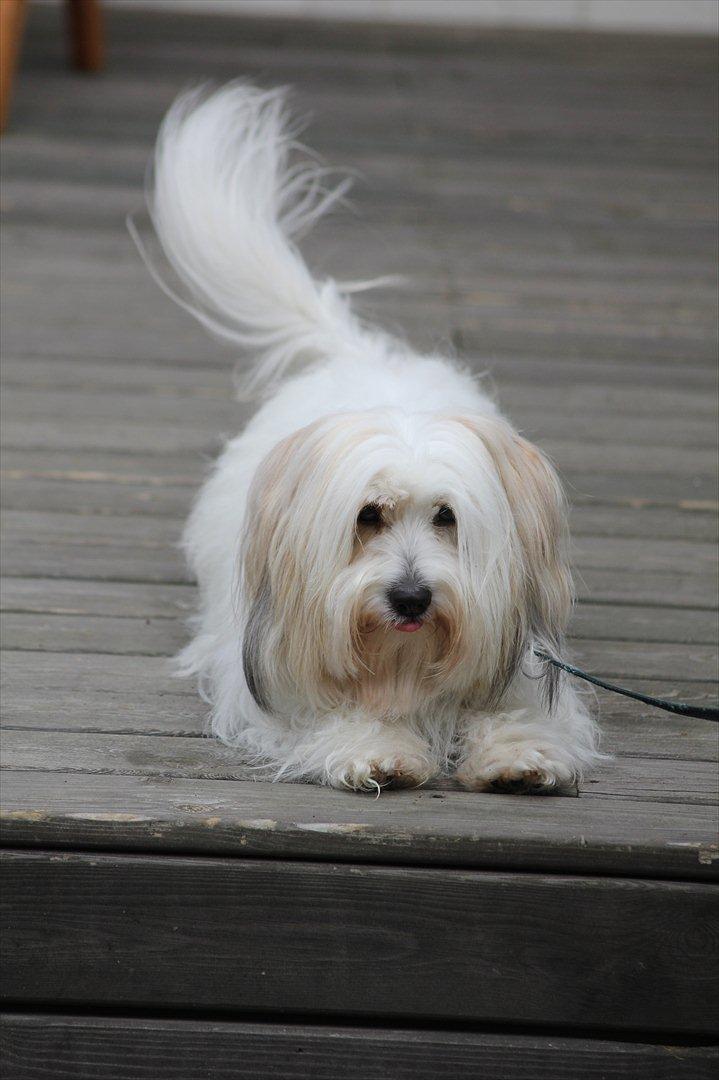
x,y
648,15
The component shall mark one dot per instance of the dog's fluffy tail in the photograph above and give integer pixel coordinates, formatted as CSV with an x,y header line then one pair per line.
x,y
227,205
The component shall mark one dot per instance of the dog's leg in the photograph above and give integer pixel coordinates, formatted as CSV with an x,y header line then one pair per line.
x,y
362,754
526,749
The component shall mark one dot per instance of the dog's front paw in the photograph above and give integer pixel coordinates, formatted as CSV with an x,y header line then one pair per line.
x,y
519,768
390,770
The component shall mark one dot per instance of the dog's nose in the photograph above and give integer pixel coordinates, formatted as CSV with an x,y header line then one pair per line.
x,y
409,599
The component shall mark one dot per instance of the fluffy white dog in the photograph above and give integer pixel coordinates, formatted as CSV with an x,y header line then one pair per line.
x,y
379,553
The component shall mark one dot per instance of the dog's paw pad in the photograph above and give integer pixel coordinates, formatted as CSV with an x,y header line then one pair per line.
x,y
515,775
530,782
397,771
403,773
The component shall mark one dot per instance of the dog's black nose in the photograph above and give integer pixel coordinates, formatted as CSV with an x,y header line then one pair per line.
x,y
409,599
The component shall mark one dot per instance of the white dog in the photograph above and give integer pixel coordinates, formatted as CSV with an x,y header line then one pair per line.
x,y
379,553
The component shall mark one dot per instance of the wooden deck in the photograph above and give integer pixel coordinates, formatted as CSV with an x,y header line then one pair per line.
x,y
553,199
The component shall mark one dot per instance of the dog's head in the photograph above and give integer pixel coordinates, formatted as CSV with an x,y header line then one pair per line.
x,y
390,559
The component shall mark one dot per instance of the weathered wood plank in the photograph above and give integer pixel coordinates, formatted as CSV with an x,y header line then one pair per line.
x,y
692,557
392,231
76,434
186,470
544,190
25,489
63,434
160,332
635,623
529,949
136,695
568,190
482,129
635,585
96,692
610,442
79,631
485,129
70,598
156,423
601,388
92,633
75,1047
683,522
646,660
425,828
610,569
98,530
395,233
412,47
174,470
502,322
652,780
394,236
95,561
126,464
686,113
169,398
164,637
115,676
670,556
655,780
609,512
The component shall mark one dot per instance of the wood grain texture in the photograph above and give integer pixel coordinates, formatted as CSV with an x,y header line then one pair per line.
x,y
44,614
593,834
118,694
655,779
125,600
80,598
73,419
480,946
164,637
77,1047
75,491
135,548
69,630
597,389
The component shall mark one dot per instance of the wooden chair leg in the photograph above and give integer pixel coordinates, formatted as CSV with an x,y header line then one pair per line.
x,y
87,40
12,17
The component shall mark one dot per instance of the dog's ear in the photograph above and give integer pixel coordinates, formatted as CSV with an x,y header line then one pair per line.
x,y
262,570
538,508
283,616
254,645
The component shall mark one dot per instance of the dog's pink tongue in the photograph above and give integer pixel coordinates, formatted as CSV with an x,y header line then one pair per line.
x,y
409,627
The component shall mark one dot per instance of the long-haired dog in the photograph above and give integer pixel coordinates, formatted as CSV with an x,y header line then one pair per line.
x,y
379,553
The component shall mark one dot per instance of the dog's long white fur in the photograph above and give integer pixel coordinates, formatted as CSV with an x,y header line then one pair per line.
x,y
227,205
296,645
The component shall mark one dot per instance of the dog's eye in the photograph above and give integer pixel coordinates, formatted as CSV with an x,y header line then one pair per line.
x,y
369,515
444,516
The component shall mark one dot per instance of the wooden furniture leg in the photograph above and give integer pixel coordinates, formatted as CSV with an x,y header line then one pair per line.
x,y
12,16
87,40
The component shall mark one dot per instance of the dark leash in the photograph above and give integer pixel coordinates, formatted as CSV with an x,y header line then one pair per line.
x,y
708,712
